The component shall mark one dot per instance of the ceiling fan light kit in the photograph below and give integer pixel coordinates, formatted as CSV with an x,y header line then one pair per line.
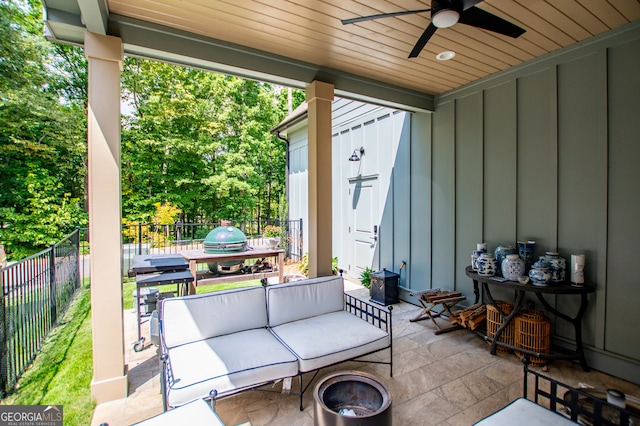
x,y
445,18
447,13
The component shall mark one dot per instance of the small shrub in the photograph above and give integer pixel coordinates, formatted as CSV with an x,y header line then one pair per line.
x,y
365,277
272,231
304,265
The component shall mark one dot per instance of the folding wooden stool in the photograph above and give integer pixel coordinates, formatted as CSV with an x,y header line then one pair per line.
x,y
430,299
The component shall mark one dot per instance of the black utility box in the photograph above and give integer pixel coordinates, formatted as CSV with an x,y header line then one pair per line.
x,y
384,287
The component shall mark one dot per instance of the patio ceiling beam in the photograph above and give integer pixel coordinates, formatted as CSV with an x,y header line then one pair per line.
x,y
159,42
67,20
95,15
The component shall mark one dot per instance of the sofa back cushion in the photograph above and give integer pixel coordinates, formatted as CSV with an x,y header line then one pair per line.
x,y
304,299
198,317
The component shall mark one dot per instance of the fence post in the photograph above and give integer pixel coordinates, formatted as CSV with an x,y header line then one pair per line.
x,y
139,237
52,282
77,242
4,343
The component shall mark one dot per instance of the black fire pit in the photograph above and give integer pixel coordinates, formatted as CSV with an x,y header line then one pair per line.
x,y
351,398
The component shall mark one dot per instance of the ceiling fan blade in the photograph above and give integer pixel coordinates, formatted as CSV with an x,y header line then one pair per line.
x,y
490,22
466,4
382,15
422,41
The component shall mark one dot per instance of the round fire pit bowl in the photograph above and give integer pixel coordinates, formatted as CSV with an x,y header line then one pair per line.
x,y
351,398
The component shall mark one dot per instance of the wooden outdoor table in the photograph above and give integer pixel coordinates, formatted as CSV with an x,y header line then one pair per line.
x,y
199,256
539,291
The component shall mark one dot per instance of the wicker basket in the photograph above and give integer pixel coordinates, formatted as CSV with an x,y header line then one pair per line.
x,y
533,332
494,321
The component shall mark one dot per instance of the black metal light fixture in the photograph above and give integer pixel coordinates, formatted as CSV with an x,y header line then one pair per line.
x,y
354,156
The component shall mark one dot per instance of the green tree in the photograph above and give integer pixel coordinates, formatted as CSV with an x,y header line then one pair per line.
x,y
42,135
201,141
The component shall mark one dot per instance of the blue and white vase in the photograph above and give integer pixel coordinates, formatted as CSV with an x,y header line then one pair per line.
x,y
501,253
525,250
558,266
474,259
540,272
513,267
487,265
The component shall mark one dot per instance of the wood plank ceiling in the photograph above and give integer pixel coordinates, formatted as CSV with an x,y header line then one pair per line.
x,y
311,31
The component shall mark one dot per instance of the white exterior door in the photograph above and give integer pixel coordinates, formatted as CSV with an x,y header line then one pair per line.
x,y
363,226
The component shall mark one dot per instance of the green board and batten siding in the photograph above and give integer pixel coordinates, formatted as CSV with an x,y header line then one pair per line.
x,y
548,151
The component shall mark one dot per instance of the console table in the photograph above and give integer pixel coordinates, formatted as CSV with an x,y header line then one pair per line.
x,y
539,291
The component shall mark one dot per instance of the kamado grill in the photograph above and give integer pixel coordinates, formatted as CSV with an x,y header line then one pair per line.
x,y
225,239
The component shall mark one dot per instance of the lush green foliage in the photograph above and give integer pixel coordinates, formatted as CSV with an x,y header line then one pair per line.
x,y
200,141
196,140
42,133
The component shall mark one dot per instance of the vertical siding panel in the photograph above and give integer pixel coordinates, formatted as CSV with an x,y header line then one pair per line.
x,y
443,196
418,268
402,204
537,170
469,186
582,157
623,285
500,165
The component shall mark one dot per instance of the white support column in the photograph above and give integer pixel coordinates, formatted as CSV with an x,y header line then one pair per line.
x,y
319,98
105,55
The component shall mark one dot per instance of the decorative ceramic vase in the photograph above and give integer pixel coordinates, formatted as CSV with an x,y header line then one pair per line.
x,y
501,253
272,242
512,267
558,266
540,272
487,265
474,259
577,269
525,250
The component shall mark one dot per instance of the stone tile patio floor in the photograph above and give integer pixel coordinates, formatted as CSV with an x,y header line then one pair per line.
x,y
450,379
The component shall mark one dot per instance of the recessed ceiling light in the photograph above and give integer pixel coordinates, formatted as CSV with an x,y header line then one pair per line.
x,y
445,56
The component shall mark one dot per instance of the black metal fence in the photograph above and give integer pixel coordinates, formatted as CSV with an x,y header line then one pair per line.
x,y
35,294
145,238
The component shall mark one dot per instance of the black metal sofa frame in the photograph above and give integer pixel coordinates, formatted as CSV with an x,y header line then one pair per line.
x,y
370,313
578,405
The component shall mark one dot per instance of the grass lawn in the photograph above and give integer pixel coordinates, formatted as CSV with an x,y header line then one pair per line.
x,y
61,373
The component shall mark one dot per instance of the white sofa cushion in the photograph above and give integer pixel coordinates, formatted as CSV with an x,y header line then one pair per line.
x,y
198,317
330,338
525,412
227,363
196,413
304,299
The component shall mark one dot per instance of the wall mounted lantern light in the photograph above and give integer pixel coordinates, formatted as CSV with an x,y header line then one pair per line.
x,y
354,156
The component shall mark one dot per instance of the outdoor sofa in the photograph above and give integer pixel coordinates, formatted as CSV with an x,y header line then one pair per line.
x,y
556,404
235,340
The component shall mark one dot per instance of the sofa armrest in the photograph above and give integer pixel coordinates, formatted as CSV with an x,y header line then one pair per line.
x,y
584,406
373,314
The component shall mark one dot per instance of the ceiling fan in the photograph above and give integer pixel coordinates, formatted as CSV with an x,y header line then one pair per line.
x,y
446,13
